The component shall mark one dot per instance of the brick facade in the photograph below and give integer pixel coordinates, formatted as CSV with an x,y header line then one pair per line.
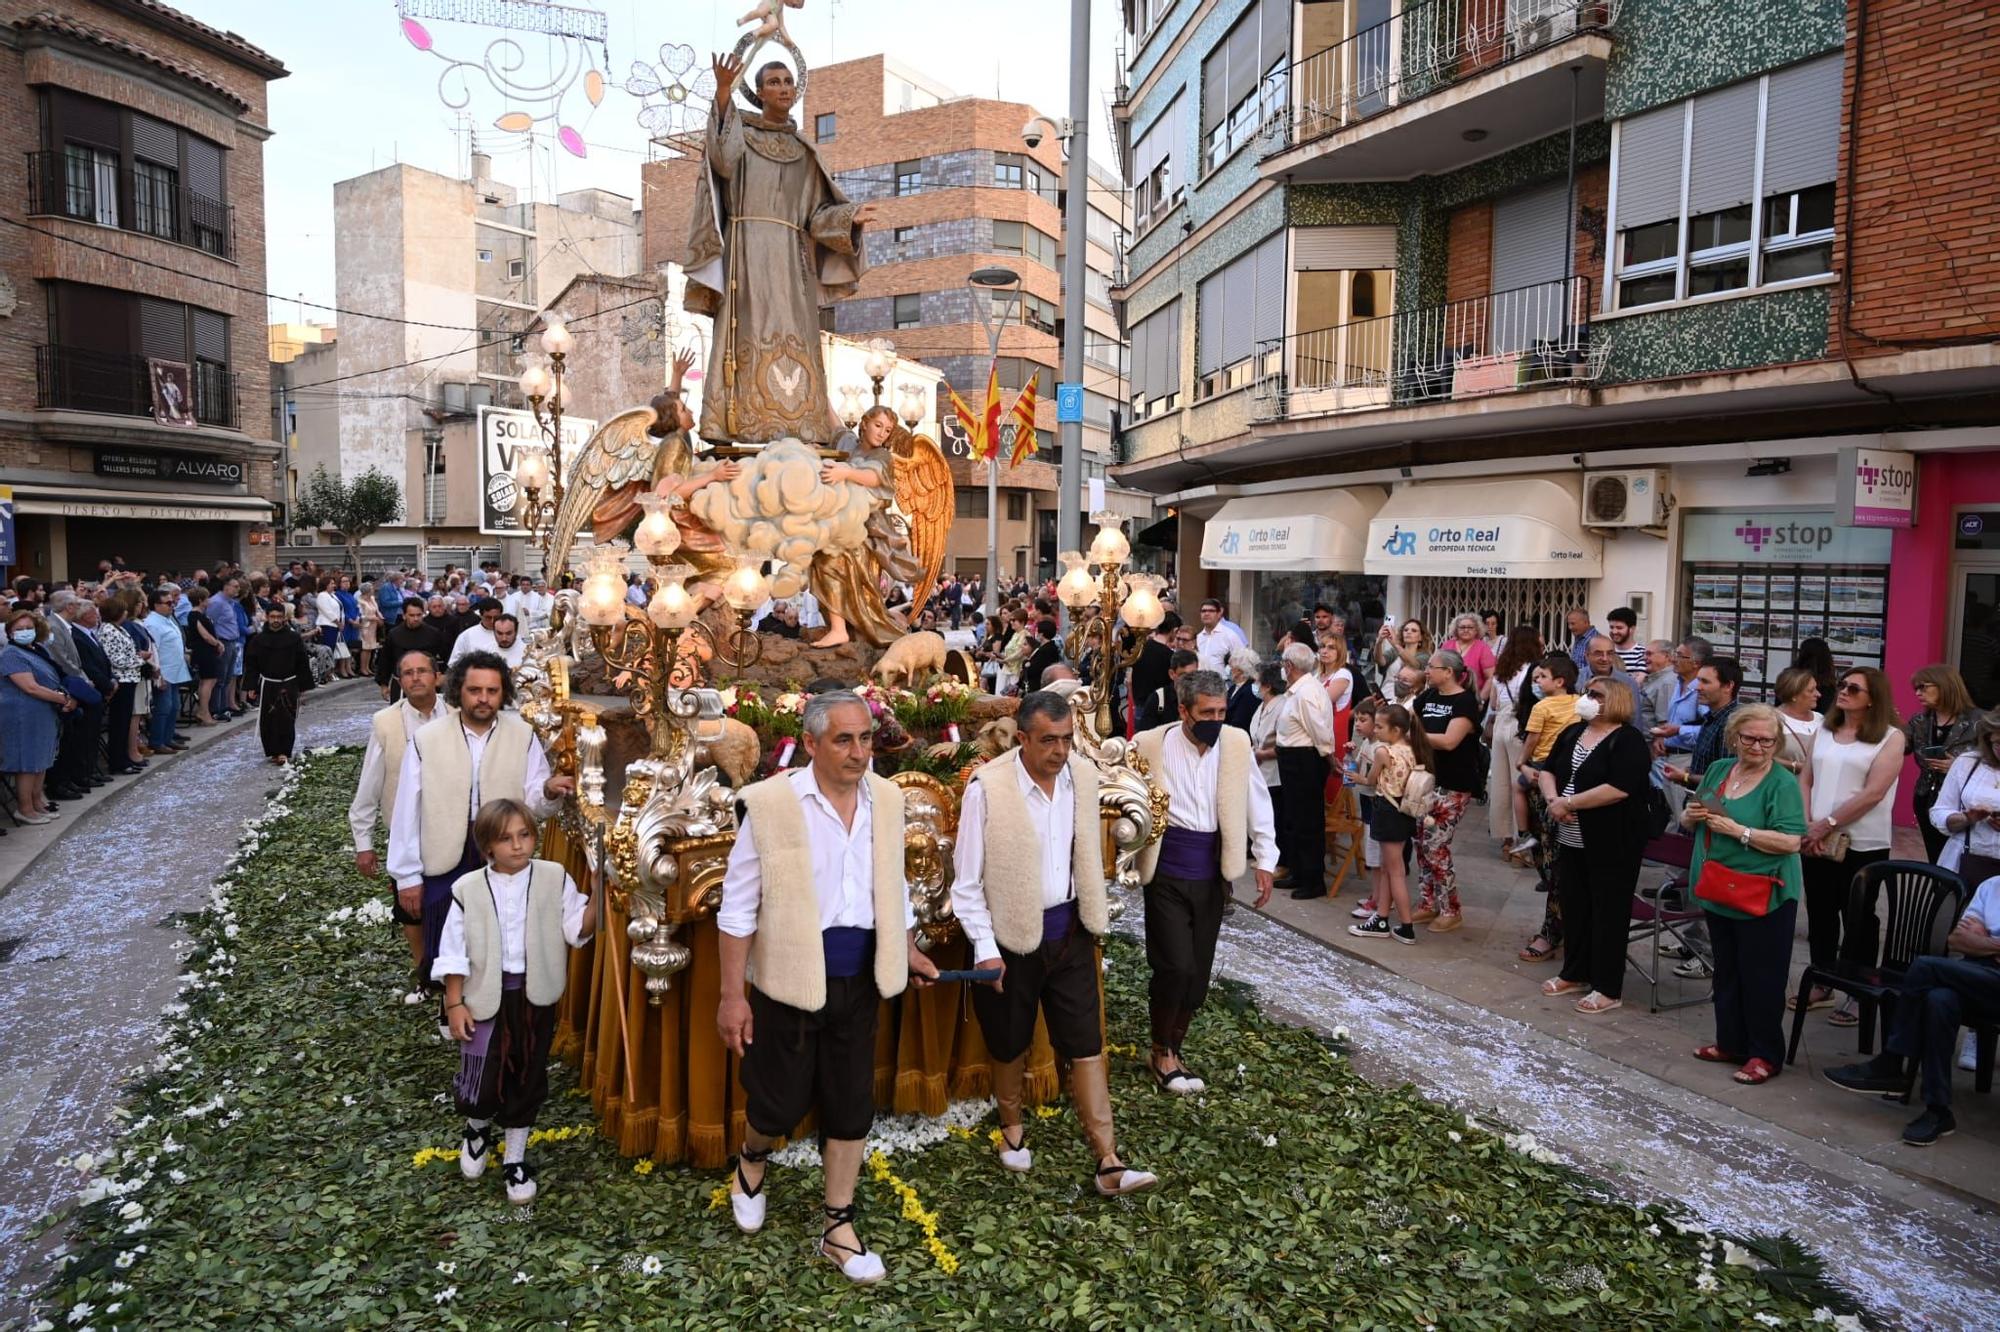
x,y
1920,261
157,62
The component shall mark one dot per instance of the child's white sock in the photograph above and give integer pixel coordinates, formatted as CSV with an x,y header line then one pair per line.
x,y
517,1145
476,1124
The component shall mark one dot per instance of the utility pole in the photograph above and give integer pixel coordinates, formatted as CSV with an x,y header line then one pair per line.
x,y
1076,217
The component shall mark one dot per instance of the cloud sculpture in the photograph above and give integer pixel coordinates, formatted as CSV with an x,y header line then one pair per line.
x,y
777,508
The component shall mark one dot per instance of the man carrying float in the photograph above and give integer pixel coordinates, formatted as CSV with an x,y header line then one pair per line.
x,y
1029,894
816,914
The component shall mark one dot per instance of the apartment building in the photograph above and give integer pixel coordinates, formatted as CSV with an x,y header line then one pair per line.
x,y
958,190
133,416
1451,305
473,256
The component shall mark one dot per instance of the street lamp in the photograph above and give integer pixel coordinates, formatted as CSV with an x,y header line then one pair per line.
x,y
993,281
538,468
1132,597
880,361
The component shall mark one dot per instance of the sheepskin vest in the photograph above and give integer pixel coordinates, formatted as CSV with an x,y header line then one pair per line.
x,y
1012,875
787,957
548,951
393,737
1232,800
444,805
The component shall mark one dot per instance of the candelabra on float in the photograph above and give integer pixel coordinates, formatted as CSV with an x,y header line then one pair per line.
x,y
1132,597
538,472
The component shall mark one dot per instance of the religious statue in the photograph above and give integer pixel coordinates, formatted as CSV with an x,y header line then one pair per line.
x,y
901,549
771,241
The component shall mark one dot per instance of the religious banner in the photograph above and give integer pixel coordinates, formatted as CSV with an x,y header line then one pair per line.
x,y
173,393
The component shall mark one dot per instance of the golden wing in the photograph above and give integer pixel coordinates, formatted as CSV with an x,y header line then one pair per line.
x,y
924,488
621,452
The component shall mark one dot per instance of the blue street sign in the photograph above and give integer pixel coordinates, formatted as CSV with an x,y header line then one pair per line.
x,y
1069,403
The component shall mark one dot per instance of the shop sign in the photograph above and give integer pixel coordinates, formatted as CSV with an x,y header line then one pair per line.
x,y
1876,488
1750,536
503,432
1512,546
173,513
204,469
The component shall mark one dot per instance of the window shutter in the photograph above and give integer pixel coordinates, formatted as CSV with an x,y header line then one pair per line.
x,y
156,141
1722,163
1316,249
87,120
1270,286
1239,308
1528,237
1214,96
1167,345
1241,76
1649,166
1159,142
1275,35
211,336
1142,374
204,168
1210,299
1802,126
163,329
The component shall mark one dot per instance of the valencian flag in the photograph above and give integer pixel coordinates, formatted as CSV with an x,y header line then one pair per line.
x,y
982,431
1025,442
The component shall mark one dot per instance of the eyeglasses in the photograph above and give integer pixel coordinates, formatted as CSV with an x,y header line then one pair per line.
x,y
1760,741
1594,693
1853,687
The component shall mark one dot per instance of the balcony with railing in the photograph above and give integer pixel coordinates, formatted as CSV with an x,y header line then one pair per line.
x,y
88,381
90,186
1505,342
1437,85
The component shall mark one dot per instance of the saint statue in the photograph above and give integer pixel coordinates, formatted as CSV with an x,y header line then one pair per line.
x,y
771,241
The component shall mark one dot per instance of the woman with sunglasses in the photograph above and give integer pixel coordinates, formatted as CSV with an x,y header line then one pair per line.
x,y
1749,816
1595,782
1849,784
1939,733
1967,813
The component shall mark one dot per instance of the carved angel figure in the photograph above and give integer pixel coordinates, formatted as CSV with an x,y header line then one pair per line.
x,y
769,16
907,548
645,448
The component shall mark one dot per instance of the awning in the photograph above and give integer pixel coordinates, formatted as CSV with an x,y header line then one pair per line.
x,y
1306,531
1163,535
169,506
1519,527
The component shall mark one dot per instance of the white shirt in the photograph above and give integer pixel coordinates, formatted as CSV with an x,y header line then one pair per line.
x,y
510,902
1190,778
406,852
328,606
1309,719
1968,784
367,805
1213,646
1344,696
1839,771
478,638
1053,817
1985,906
1263,726
843,863
533,610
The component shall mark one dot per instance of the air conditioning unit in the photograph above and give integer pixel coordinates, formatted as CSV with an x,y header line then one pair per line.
x,y
1626,499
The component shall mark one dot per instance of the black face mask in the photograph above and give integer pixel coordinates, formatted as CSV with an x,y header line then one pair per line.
x,y
1206,733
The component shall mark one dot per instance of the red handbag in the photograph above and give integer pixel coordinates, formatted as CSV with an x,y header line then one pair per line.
x,y
1733,888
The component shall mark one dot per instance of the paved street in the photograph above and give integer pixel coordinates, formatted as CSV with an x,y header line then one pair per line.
x,y
90,948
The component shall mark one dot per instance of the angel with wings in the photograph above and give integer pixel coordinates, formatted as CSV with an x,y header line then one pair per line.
x,y
646,448
909,471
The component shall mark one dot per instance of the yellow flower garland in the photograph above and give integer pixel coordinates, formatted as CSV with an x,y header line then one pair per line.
x,y
425,1155
915,1211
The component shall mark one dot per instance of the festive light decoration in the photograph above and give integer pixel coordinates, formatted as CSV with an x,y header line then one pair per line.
x,y
675,93
534,98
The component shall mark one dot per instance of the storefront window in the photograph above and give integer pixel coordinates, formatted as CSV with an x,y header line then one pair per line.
x,y
1282,599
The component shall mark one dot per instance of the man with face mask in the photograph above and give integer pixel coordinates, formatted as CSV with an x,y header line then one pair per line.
x,y
1218,826
276,670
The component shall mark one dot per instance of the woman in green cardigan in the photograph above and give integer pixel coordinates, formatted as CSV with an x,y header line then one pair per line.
x,y
1750,816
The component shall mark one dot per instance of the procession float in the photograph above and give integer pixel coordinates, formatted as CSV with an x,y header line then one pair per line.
x,y
663,711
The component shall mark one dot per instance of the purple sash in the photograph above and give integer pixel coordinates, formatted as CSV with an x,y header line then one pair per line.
x,y
1187,854
847,950
472,1055
1057,923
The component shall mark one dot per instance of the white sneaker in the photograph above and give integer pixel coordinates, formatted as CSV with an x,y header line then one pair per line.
x,y
520,1178
1968,1053
1016,1158
475,1149
745,1206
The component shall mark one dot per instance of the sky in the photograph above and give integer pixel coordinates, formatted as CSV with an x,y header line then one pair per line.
x,y
360,96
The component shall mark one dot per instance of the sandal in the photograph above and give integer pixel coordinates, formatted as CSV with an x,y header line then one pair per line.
x,y
1843,1017
1715,1054
1555,987
1594,1003
745,1203
1178,1081
1821,997
864,1267
1538,950
1755,1073
1123,1179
